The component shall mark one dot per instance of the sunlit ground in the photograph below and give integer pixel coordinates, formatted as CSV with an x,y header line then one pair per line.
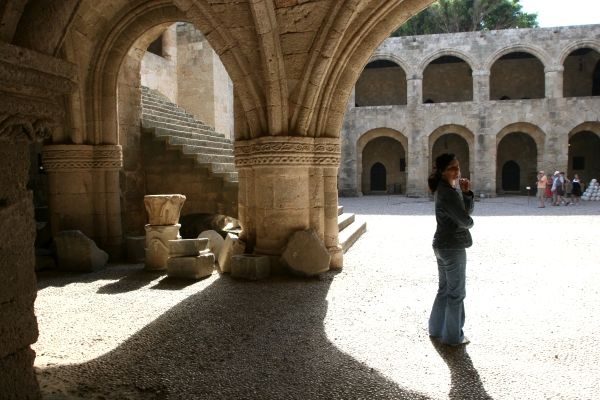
x,y
532,316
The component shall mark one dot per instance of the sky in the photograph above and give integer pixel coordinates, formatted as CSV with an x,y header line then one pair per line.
x,y
563,12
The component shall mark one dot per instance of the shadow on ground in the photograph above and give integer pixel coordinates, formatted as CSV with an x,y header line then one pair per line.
x,y
232,340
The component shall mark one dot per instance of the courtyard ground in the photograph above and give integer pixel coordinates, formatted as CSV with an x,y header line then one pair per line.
x,y
532,314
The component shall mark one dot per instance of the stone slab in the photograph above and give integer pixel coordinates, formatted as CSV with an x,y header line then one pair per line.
x,y
306,254
249,266
77,252
231,247
191,267
187,247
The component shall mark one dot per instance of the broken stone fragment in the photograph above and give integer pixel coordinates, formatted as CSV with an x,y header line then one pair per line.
x,y
77,252
163,209
249,266
232,246
306,254
191,267
215,241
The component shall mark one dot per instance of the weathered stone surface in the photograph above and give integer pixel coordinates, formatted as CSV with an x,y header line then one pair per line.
x,y
17,377
231,247
187,247
163,209
136,248
191,267
77,252
306,254
157,245
215,241
249,266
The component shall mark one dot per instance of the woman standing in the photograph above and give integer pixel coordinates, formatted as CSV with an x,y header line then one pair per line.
x,y
452,212
576,189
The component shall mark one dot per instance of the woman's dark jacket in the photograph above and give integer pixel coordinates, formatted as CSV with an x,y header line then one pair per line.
x,y
452,212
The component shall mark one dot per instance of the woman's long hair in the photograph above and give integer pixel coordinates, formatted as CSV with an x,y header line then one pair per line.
x,y
441,162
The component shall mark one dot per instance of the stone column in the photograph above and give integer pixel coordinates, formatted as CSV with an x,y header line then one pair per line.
x,y
31,107
414,90
418,167
84,191
554,81
288,184
484,168
481,86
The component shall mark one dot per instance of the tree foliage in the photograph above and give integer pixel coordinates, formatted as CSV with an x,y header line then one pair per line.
x,y
447,16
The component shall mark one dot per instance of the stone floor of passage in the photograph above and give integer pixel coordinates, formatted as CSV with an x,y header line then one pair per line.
x,y
532,314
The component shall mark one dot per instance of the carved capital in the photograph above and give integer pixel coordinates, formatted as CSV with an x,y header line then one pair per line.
x,y
287,151
76,157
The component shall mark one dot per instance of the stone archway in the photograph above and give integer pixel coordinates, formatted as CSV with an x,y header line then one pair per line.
x,y
381,83
581,73
584,151
517,75
516,163
387,146
447,79
457,139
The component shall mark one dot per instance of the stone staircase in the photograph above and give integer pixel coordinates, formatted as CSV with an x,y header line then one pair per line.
x,y
350,229
182,131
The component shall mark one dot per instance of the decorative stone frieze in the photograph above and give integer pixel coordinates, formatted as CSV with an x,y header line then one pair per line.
x,y
288,151
78,157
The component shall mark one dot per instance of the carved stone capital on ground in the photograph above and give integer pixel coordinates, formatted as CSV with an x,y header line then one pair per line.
x,y
77,157
287,150
164,209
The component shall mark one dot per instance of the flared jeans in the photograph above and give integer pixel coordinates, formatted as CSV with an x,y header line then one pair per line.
x,y
448,313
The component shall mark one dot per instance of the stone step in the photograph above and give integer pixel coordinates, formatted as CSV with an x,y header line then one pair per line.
x,y
340,210
180,122
166,129
214,147
171,111
351,233
209,158
344,220
218,168
160,113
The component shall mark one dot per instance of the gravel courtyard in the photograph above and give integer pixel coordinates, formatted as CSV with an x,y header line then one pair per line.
x,y
532,314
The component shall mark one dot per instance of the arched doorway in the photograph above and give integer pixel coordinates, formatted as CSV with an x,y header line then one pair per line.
x,y
580,75
516,163
456,144
517,75
378,178
511,176
381,83
447,79
584,155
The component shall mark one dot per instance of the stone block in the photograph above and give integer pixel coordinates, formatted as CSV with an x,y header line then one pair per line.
x,y
249,266
306,254
136,248
18,380
191,267
187,247
231,247
215,241
77,252
163,209
157,245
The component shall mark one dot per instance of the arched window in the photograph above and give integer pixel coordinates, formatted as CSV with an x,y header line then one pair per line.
x,y
517,75
581,74
447,79
381,83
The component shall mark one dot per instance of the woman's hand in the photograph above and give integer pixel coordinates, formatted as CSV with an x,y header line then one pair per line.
x,y
465,185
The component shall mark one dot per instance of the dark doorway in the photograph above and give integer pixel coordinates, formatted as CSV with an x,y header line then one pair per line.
x,y
596,82
511,176
378,177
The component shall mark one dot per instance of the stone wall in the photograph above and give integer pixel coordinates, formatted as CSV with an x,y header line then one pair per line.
x,y
381,86
159,72
536,106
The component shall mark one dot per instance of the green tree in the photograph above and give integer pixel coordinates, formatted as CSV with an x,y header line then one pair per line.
x,y
447,16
